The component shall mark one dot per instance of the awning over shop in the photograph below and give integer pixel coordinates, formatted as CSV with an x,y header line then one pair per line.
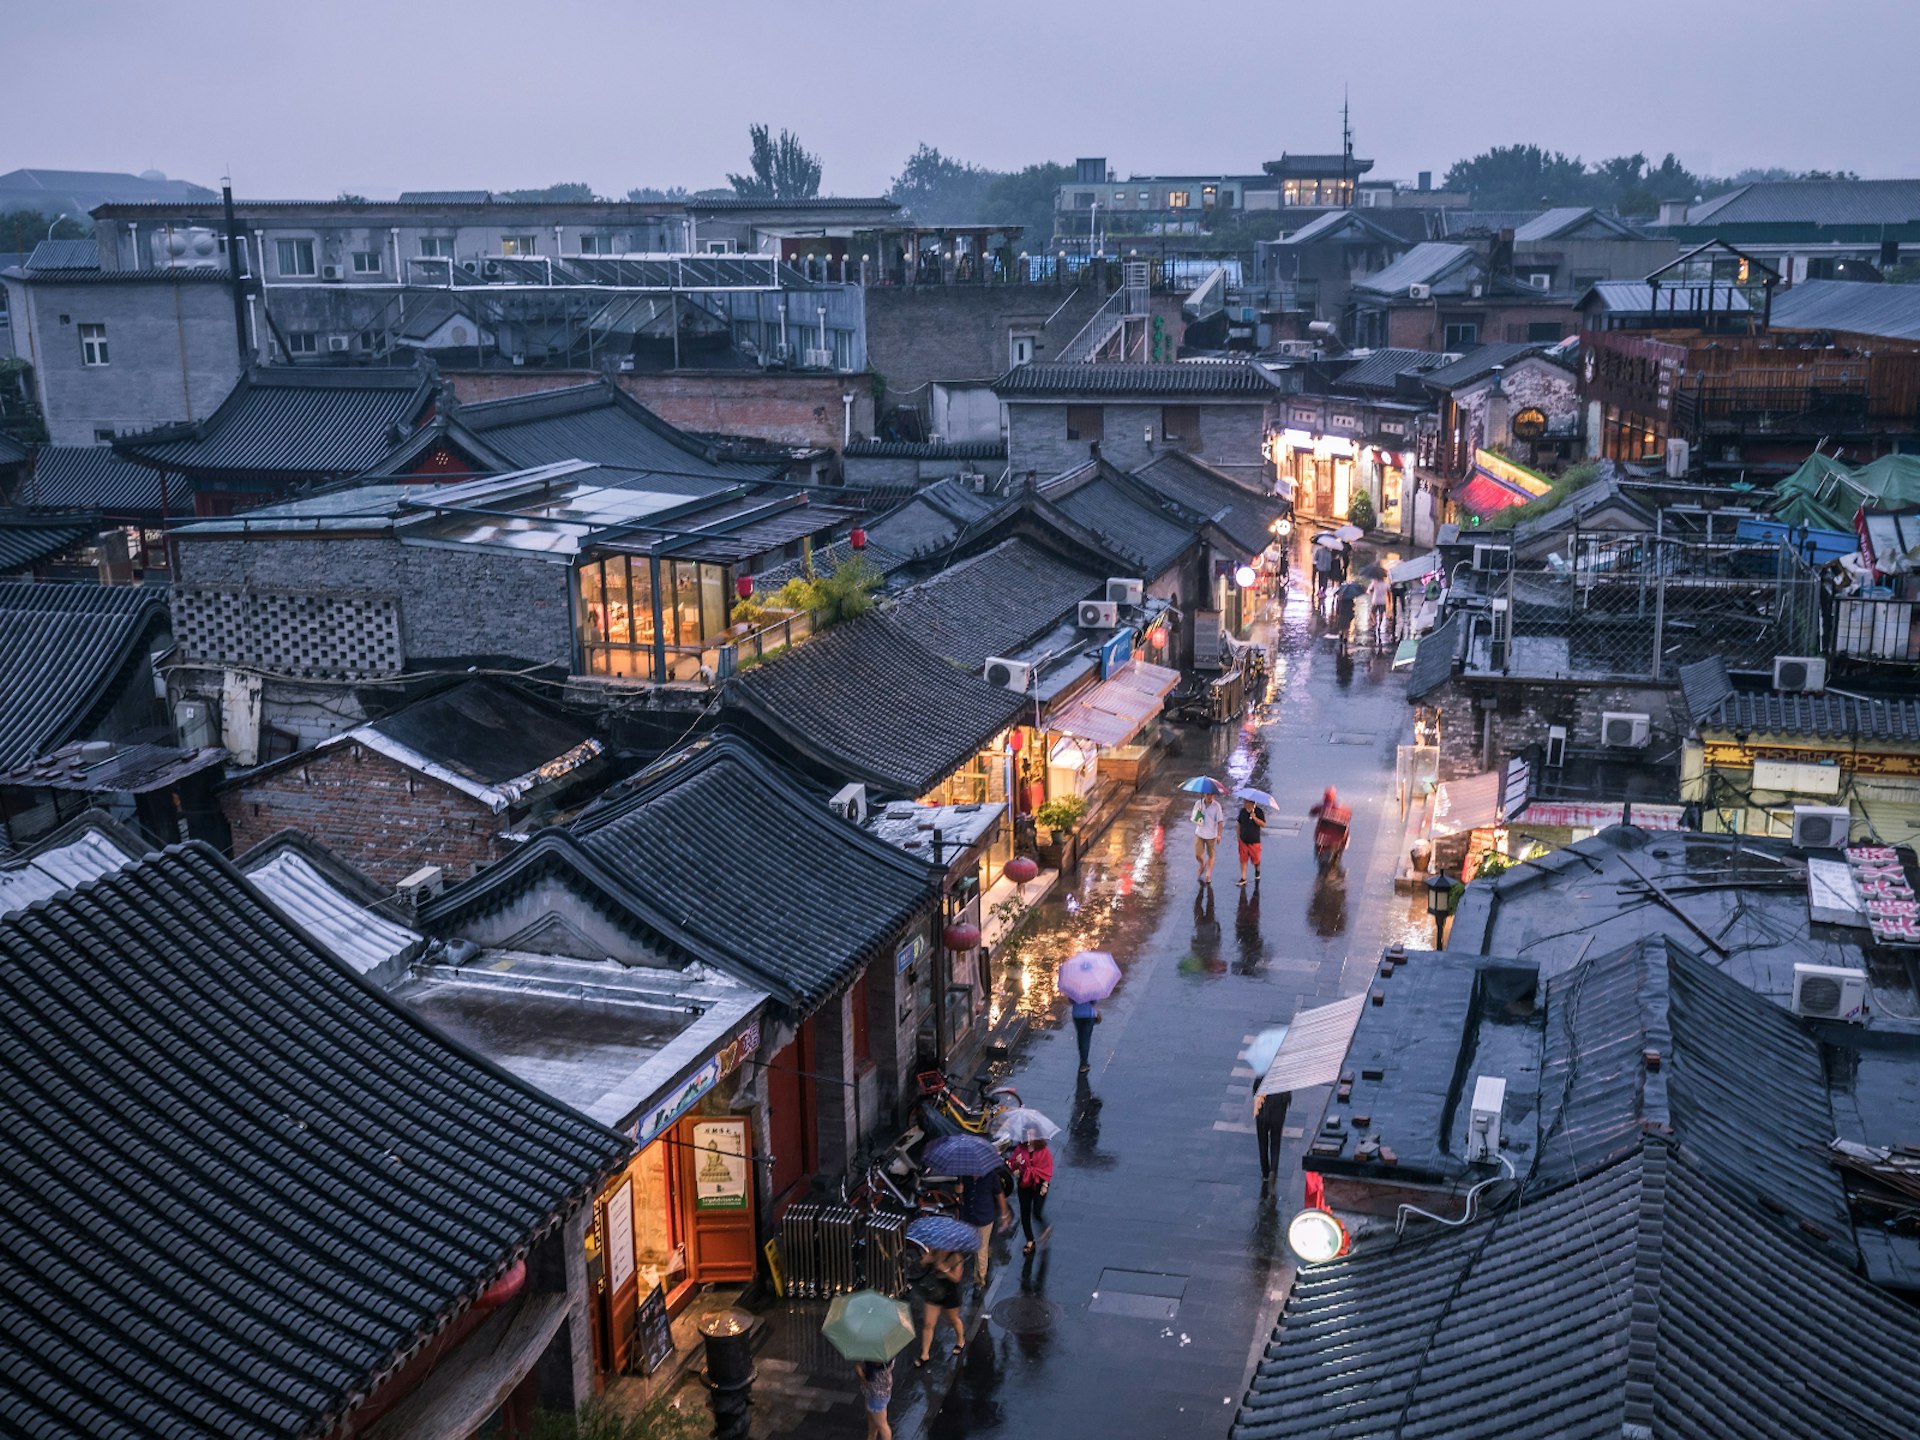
x,y
1117,709
1412,569
1467,803
1315,1046
1578,816
1497,485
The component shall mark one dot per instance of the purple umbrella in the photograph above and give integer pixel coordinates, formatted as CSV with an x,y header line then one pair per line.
x,y
962,1155
1088,976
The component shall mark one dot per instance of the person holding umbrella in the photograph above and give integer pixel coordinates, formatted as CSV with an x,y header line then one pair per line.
x,y
1032,1165
870,1329
939,1291
1252,820
1208,821
1086,979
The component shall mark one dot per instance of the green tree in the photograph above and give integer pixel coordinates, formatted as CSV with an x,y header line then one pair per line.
x,y
936,190
574,192
652,195
1521,177
24,228
347,197
783,169
1025,198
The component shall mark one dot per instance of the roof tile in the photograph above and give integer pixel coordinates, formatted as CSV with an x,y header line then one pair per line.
x,y
65,648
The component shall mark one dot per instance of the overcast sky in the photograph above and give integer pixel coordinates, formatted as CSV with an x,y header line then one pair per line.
x,y
303,100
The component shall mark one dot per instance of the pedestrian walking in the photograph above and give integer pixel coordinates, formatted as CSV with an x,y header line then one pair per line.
x,y
1377,609
1086,1015
1322,573
1032,1166
939,1292
1208,821
983,1200
1269,1115
876,1393
1252,821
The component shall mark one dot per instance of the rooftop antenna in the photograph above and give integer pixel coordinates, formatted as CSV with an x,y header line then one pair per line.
x,y
1346,137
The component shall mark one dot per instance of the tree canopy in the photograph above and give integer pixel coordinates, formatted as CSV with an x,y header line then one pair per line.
x,y
21,230
573,192
1527,177
782,169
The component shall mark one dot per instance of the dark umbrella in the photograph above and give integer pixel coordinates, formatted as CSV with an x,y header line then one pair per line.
x,y
1372,570
1352,590
962,1155
943,1232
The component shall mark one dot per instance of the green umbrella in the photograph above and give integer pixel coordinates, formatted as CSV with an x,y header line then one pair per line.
x,y
867,1325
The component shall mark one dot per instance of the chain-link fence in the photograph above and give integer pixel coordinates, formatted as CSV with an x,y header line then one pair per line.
x,y
1637,607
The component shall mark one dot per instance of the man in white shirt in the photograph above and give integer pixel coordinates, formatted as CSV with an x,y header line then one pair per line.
x,y
1208,821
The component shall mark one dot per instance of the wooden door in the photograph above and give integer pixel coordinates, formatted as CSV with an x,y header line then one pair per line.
x,y
790,1118
715,1196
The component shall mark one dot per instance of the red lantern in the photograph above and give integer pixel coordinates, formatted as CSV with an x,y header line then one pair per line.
x,y
962,937
1016,740
1021,869
1160,639
743,587
857,538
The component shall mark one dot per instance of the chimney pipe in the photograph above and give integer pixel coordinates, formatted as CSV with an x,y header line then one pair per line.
x,y
1426,179
233,271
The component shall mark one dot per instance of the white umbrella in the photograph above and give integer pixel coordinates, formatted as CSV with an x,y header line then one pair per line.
x,y
1023,1125
1332,542
1350,532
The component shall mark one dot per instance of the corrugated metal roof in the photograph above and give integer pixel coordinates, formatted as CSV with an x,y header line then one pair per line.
x,y
352,932
1635,297
445,197
27,538
65,255
220,1136
1422,265
95,477
1858,307
1433,660
1812,202
12,452
1199,377
294,421
810,202
1561,220
64,648
81,851
1381,369
1476,363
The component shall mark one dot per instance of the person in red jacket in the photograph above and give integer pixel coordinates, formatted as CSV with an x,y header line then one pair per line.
x,y
1032,1165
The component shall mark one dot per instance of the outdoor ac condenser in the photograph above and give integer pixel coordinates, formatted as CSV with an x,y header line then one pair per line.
x,y
1126,592
1821,827
1010,674
1624,730
850,803
1493,559
1099,615
1830,992
1483,1132
1799,674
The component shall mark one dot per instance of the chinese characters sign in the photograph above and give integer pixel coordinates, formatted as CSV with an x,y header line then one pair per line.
x,y
1886,894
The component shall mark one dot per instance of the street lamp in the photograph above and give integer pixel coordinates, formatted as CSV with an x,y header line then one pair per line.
x,y
1317,1236
56,220
1439,904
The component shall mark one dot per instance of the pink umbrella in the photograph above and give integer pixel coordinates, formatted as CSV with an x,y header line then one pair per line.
x,y
1088,976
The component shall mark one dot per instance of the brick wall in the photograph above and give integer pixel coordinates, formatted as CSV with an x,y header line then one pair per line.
x,y
786,407
833,1091
964,332
452,602
1524,712
374,813
1230,437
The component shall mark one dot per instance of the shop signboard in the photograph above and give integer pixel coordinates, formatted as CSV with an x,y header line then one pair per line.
x,y
620,1237
720,1164
911,953
1529,424
656,1330
1115,653
1886,894
685,1095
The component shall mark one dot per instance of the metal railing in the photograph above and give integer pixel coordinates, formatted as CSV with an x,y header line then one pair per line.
x,y
1877,628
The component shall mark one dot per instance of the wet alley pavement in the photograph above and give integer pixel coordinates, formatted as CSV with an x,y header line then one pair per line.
x,y
1144,1315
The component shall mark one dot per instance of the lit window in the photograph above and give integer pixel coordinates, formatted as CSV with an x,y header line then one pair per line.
x,y
296,257
1209,196
93,345
303,342
366,262
519,245
1179,199
436,246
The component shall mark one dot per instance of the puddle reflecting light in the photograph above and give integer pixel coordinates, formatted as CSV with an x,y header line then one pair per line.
x,y
1317,1236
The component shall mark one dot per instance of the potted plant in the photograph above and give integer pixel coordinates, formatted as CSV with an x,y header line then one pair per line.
x,y
1060,816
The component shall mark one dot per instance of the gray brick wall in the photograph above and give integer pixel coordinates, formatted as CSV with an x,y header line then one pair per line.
x,y
171,353
1524,712
453,602
963,332
1230,437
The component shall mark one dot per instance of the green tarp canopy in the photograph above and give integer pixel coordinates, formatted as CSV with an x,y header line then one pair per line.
x,y
1825,494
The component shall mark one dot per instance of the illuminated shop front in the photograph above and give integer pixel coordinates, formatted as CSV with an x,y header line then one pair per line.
x,y
643,617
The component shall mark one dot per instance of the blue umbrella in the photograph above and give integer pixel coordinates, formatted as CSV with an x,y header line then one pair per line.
x,y
1203,785
1259,797
943,1232
962,1155
1263,1047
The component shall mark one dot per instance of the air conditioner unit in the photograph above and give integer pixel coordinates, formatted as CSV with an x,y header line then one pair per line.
x,y
1679,457
974,480
1419,292
1622,730
1493,559
422,885
1099,615
1821,827
1556,747
492,270
1483,1132
1799,674
1539,281
1009,674
338,343
1127,592
819,359
329,272
850,803
193,723
1829,992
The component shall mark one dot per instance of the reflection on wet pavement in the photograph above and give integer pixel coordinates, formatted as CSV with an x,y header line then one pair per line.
x,y
1157,1172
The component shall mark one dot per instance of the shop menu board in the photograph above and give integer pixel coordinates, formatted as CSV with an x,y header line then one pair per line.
x,y
720,1165
656,1331
620,1238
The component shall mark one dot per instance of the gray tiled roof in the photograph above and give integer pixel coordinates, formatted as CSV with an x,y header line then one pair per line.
x,y
66,649
1198,377
1813,202
1381,369
1478,362
596,422
1242,514
65,255
485,730
1598,1310
1130,526
12,452
98,478
1433,660
1422,265
1715,705
26,537
732,850
1562,220
241,1183
992,604
926,450
810,202
302,422
870,703
1859,307
827,559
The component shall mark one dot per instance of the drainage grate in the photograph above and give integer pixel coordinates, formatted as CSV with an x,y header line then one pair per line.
x,y
1350,739
1025,1314
1138,1294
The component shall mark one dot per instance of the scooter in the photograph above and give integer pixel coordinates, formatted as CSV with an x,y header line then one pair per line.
x,y
1330,834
